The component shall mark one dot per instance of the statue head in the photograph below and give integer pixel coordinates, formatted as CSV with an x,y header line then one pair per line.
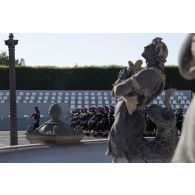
x,y
187,58
55,112
155,53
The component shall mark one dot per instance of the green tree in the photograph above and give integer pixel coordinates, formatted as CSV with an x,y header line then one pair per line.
x,y
4,60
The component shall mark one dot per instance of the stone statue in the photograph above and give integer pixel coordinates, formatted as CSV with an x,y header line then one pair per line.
x,y
134,91
166,139
55,126
185,151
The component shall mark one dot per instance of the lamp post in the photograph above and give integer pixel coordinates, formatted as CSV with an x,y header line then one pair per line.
x,y
12,87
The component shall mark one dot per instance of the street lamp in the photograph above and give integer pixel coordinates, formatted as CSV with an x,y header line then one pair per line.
x,y
12,87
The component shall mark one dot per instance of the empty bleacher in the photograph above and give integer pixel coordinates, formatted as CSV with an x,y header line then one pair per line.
x,y
69,100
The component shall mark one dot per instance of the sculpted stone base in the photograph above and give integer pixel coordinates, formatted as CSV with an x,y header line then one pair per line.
x,y
54,139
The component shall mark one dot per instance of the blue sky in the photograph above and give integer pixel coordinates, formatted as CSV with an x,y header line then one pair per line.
x,y
89,49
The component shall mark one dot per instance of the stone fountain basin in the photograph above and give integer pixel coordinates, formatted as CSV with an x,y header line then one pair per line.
x,y
58,139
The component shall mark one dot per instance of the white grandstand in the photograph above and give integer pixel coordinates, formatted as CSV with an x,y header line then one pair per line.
x,y
69,100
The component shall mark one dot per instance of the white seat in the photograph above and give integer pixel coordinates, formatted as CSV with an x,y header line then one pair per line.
x,y
24,101
46,98
31,101
188,102
72,97
32,97
53,97
100,97
86,102
60,93
18,98
155,102
66,98
66,101
179,98
27,93
158,98
38,101
99,102
80,97
34,93
182,102
72,102
160,102
59,97
1,93
86,97
40,98
72,107
21,93
47,93
174,102
2,101
184,98
73,93
45,101
92,93
107,102
59,101
93,98
177,106
79,102
92,102
79,93
86,93
105,97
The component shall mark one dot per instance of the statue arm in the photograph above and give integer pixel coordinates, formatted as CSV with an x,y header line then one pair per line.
x,y
124,88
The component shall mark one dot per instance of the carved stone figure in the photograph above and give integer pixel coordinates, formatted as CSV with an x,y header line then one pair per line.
x,y
166,139
55,126
185,151
134,92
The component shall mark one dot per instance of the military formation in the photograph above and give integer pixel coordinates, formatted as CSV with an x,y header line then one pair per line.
x,y
97,121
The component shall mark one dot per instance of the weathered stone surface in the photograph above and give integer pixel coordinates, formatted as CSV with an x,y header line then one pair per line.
x,y
54,129
185,151
134,91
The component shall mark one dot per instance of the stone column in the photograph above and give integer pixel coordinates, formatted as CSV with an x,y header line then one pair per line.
x,y
12,87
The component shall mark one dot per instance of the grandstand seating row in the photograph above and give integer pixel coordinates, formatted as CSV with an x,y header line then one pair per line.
x,y
79,99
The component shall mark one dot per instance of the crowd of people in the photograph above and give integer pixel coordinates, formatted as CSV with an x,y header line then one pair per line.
x,y
97,121
94,121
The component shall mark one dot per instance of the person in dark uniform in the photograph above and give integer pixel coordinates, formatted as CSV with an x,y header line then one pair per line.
x,y
36,117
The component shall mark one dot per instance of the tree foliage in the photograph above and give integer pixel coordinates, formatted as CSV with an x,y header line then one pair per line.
x,y
4,59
